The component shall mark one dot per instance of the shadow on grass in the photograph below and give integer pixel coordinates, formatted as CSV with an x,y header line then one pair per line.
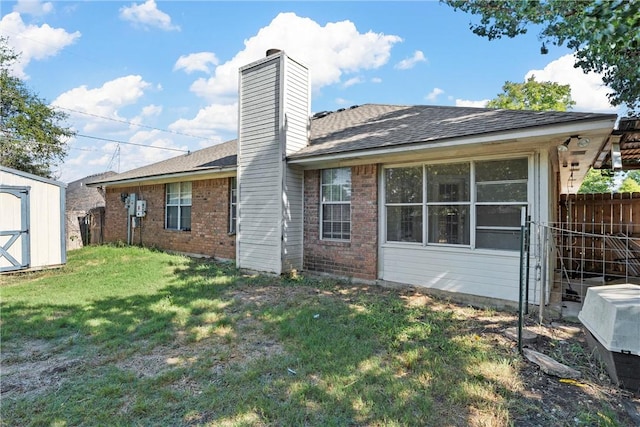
x,y
348,355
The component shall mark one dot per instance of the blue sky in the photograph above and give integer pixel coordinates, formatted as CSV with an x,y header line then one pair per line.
x,y
133,75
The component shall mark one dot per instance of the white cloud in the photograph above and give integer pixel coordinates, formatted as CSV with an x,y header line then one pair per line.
x,y
408,63
146,112
147,15
200,61
587,90
33,7
33,42
103,101
376,80
433,95
329,51
158,146
352,81
151,110
342,101
469,103
209,121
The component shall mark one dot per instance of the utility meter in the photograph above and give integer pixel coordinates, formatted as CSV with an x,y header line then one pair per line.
x,y
141,208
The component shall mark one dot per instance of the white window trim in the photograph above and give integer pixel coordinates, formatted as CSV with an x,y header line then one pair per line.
x,y
179,205
424,245
322,204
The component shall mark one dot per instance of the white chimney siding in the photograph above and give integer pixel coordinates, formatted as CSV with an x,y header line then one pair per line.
x,y
274,109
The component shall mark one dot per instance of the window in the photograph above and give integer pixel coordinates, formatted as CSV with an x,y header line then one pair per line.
x,y
178,211
448,203
403,189
335,196
501,188
233,203
474,204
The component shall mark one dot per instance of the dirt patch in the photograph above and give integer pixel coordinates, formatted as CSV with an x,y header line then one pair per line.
x,y
35,367
554,401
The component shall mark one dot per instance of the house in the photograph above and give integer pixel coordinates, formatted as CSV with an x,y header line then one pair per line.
x,y
32,224
429,196
84,212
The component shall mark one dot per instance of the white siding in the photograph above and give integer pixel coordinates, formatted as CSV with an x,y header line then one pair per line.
x,y
259,164
297,111
468,272
293,219
486,273
274,119
46,217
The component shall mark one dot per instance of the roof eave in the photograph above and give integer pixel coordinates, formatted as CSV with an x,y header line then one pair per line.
x,y
601,123
166,177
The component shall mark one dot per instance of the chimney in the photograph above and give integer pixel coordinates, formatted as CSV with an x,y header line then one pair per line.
x,y
274,107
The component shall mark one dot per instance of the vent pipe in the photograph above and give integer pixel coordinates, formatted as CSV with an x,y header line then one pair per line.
x,y
272,51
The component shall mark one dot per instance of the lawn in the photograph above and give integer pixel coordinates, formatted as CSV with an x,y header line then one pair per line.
x,y
130,336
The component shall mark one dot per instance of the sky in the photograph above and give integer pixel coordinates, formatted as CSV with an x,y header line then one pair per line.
x,y
142,81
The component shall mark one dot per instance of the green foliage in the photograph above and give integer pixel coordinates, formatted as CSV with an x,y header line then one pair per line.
x,y
629,185
603,33
634,175
597,181
533,95
32,137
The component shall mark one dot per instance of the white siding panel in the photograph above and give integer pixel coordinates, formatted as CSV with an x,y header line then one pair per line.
x,y
274,115
259,178
483,274
297,105
293,212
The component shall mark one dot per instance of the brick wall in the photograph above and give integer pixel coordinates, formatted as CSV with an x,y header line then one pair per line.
x,y
359,257
209,233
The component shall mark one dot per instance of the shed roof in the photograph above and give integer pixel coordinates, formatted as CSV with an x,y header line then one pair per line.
x,y
32,177
372,126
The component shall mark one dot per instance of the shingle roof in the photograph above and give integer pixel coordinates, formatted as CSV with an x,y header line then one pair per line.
x,y
79,197
215,157
377,126
374,126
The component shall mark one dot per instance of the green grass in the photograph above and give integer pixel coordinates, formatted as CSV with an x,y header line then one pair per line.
x,y
130,336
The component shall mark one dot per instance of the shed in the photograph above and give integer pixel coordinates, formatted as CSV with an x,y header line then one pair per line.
x,y
32,221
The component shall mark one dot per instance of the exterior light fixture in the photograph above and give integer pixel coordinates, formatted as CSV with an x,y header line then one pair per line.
x,y
583,142
564,146
543,49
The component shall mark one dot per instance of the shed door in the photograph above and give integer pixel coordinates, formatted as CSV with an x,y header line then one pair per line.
x,y
14,228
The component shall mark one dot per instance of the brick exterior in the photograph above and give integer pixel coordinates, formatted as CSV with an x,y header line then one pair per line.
x,y
359,257
209,233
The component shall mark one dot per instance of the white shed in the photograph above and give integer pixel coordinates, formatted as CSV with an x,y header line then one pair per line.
x,y
32,221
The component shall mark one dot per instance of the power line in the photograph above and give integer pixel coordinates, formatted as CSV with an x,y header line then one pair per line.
x,y
132,143
135,124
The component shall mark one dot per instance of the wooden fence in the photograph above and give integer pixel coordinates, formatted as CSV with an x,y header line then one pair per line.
x,y
600,234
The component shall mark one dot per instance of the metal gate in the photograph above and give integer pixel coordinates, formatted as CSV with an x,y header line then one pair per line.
x,y
14,228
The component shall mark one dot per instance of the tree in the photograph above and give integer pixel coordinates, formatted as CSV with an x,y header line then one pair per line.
x,y
629,185
597,181
32,136
533,95
603,33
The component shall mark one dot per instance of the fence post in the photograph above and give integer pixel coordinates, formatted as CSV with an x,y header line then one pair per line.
x,y
523,279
